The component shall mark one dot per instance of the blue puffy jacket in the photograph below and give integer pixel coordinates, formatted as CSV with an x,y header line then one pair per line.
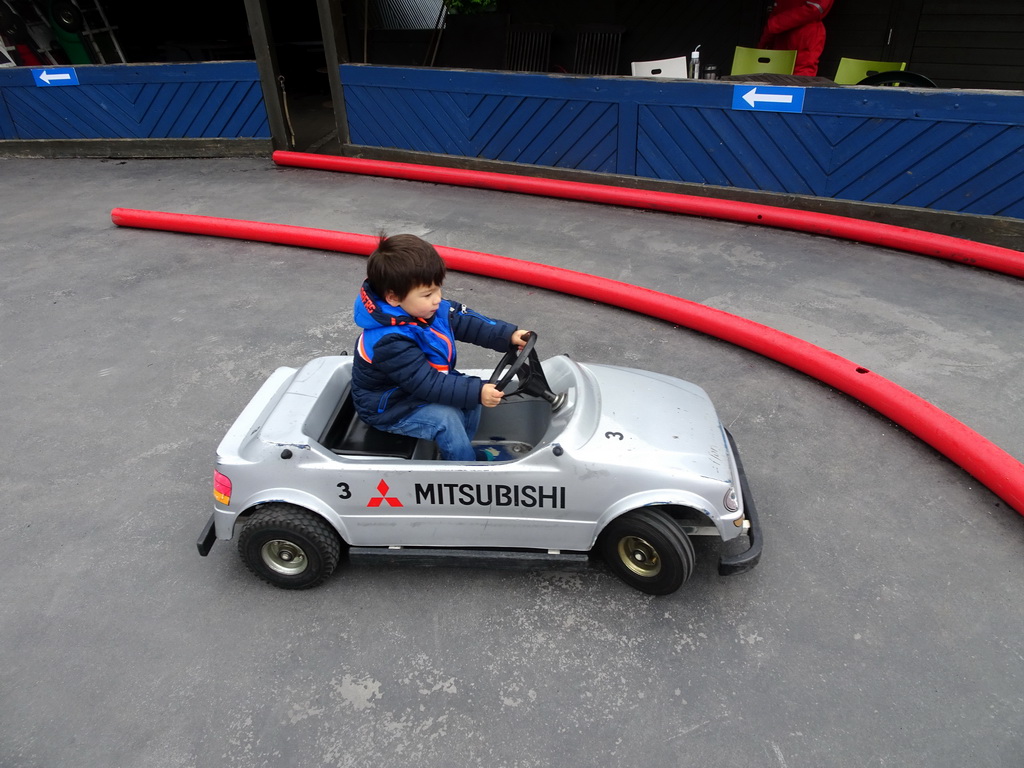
x,y
403,362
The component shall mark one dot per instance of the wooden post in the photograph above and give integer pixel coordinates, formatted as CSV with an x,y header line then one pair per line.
x,y
332,27
266,62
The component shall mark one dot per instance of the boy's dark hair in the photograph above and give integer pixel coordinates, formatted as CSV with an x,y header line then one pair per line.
x,y
401,263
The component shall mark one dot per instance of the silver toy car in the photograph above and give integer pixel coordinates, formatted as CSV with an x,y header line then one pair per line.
x,y
585,459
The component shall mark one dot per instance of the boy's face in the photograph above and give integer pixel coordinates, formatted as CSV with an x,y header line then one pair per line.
x,y
421,301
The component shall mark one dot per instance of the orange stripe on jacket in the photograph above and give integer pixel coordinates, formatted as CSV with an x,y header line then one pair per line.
x,y
447,341
436,366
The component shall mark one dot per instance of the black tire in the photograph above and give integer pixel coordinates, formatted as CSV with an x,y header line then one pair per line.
x,y
906,79
649,551
289,547
66,16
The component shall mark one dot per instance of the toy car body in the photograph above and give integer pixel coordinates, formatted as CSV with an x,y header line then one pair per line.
x,y
623,462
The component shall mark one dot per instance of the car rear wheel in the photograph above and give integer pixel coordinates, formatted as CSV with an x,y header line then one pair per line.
x,y
289,547
649,551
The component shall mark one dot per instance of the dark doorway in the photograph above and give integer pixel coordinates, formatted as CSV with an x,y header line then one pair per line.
x,y
303,74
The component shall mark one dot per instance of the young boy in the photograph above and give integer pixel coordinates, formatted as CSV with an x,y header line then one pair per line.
x,y
404,378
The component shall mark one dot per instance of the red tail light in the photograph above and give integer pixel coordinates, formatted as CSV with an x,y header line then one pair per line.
x,y
221,488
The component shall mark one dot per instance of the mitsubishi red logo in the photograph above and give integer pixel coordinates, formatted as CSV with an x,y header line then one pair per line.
x,y
382,489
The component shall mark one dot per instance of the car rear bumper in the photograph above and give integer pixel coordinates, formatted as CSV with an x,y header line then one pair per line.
x,y
743,561
207,537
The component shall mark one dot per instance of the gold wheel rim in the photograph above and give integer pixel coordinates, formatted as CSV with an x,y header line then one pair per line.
x,y
639,556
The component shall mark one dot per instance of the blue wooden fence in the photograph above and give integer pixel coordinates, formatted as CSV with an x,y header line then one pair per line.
x,y
948,150
144,101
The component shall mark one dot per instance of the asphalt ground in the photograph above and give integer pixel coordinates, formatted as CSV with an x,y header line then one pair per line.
x,y
881,628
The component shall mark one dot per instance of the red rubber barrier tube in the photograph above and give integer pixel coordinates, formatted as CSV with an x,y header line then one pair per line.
x,y
983,255
991,465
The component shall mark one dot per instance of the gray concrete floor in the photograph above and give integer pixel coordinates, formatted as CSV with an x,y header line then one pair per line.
x,y
882,627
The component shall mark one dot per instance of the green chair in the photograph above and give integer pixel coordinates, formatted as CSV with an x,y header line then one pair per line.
x,y
852,71
754,61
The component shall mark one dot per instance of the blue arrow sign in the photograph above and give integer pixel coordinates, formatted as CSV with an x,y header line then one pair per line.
x,y
767,98
49,78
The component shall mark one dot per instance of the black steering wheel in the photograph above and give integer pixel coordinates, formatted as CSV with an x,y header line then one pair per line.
x,y
524,364
514,359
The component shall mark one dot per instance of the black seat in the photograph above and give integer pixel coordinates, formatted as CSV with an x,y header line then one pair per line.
x,y
597,49
347,434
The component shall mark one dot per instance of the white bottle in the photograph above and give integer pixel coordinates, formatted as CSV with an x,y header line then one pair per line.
x,y
695,64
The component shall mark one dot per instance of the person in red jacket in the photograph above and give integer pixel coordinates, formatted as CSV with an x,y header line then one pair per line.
x,y
797,25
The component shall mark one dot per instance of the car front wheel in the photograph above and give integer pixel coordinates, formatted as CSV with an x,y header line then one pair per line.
x,y
649,551
289,547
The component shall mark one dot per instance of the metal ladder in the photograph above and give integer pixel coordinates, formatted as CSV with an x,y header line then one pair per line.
x,y
84,20
100,33
10,60
35,34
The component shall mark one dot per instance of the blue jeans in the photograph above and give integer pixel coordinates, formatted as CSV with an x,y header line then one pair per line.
x,y
451,428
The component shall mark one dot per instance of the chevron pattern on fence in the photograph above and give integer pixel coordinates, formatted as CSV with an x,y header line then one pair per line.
x,y
953,151
967,167
770,151
555,132
148,102
167,110
958,166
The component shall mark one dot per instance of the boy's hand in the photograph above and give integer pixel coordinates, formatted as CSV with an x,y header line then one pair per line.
x,y
490,395
520,337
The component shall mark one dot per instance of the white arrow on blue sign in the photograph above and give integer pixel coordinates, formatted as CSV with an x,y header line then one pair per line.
x,y
767,98
48,78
